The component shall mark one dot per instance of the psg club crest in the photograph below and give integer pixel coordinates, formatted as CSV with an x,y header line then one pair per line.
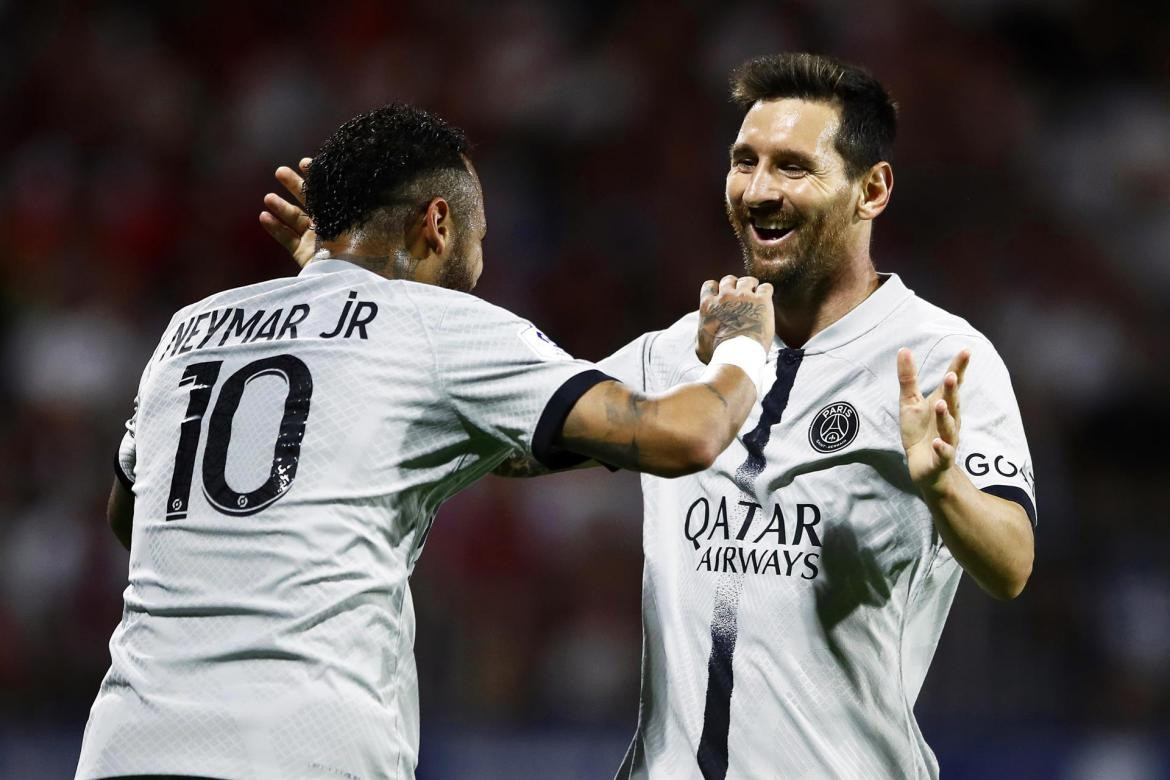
x,y
833,428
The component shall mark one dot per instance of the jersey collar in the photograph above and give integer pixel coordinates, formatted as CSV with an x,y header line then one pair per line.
x,y
863,317
322,263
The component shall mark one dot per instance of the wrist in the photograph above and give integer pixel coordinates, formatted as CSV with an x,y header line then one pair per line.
x,y
939,487
746,354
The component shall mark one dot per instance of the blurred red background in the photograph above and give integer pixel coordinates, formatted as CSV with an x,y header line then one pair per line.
x,y
1032,198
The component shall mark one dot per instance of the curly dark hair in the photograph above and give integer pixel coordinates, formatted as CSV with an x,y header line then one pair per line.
x,y
869,118
396,156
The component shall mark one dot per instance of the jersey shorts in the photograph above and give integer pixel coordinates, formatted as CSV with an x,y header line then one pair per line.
x,y
794,593
290,445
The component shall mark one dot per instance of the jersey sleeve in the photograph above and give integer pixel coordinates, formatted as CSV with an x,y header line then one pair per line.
x,y
993,450
631,364
124,460
507,380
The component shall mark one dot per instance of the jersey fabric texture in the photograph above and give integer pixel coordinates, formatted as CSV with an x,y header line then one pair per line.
x,y
794,593
290,445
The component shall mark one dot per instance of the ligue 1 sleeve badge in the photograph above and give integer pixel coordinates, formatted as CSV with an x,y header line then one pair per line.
x,y
833,428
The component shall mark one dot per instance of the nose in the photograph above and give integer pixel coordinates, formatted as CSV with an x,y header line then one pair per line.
x,y
763,189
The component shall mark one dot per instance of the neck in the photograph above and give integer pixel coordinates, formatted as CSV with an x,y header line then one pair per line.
x,y
804,310
377,256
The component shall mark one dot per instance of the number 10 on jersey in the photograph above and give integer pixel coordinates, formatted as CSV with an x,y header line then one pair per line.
x,y
201,378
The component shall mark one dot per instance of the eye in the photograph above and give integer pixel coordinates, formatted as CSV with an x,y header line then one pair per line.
x,y
793,170
743,163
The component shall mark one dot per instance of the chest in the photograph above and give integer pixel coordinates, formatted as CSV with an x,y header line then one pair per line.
x,y
815,479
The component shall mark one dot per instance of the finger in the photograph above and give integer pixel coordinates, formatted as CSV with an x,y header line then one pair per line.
x,y
945,453
765,289
304,164
709,290
950,392
945,423
959,363
294,217
746,284
293,182
280,231
727,284
907,376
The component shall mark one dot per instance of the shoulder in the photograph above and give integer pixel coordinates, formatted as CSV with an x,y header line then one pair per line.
x,y
442,303
936,336
924,327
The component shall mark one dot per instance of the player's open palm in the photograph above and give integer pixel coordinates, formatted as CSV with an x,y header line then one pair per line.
x,y
930,424
287,222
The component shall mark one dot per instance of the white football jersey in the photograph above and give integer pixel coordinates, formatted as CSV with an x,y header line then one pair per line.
x,y
291,443
794,593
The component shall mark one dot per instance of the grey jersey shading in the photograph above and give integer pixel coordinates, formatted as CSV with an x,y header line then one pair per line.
x,y
290,445
794,593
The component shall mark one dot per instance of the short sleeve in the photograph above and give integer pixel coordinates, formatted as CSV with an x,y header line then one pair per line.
x,y
506,380
993,450
124,461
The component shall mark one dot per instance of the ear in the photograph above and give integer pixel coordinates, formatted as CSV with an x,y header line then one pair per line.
x,y
436,228
876,187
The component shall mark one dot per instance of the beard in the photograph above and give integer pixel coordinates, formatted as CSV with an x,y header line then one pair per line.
x,y
457,273
818,244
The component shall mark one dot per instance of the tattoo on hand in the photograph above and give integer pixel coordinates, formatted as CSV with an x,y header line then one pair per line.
x,y
735,318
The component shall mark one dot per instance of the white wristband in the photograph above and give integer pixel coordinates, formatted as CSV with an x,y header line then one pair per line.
x,y
744,352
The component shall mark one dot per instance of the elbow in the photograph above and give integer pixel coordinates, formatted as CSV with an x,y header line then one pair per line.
x,y
681,456
696,454
1012,584
703,456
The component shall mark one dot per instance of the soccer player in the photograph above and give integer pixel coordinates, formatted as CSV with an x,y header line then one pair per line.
x,y
292,440
795,591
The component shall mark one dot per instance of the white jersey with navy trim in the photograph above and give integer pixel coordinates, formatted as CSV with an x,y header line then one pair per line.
x,y
794,593
290,445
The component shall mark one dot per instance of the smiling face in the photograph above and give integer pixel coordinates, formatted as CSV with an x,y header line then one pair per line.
x,y
789,200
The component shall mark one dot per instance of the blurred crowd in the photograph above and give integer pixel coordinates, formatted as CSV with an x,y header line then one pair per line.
x,y
1032,197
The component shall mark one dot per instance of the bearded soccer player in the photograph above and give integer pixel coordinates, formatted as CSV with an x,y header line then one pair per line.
x,y
794,593
293,439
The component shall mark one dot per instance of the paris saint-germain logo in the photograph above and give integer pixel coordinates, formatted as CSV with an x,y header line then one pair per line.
x,y
833,428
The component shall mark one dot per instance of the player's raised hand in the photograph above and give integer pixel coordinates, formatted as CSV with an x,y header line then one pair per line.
x,y
287,222
930,425
734,306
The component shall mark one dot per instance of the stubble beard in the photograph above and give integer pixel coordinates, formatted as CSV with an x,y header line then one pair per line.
x,y
456,273
820,246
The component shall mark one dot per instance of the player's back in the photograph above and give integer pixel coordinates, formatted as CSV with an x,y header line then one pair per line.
x,y
290,447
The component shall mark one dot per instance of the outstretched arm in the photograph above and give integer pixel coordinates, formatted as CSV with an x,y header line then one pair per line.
x,y
678,432
990,537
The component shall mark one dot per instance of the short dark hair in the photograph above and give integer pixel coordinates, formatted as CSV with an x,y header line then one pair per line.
x,y
393,156
869,118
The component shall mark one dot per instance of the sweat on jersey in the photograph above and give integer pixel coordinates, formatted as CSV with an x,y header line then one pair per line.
x,y
290,445
793,594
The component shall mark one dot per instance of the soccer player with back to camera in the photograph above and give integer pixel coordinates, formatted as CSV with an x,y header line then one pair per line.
x,y
292,440
795,591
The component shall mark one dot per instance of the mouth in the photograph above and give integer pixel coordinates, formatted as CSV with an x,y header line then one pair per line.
x,y
769,232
